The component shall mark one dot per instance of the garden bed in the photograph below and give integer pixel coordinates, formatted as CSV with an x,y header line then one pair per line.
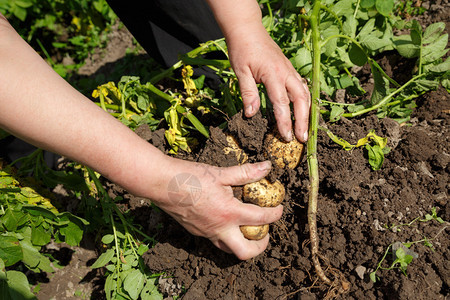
x,y
356,207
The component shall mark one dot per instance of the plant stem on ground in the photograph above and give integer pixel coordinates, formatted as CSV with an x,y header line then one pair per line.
x,y
312,145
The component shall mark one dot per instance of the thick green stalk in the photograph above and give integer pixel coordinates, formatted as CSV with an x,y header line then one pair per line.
x,y
312,144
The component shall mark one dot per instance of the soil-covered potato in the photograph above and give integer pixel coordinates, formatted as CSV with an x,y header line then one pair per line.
x,y
263,193
282,153
254,232
233,146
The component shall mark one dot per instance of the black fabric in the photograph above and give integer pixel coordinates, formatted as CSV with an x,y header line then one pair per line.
x,y
168,28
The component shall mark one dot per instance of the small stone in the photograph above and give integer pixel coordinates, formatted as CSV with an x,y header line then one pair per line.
x,y
360,270
358,213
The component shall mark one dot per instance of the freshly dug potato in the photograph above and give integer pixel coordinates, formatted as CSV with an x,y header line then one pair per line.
x,y
233,146
283,154
254,232
263,193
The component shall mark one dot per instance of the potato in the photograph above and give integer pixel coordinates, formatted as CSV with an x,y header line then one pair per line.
x,y
263,193
283,153
254,232
233,146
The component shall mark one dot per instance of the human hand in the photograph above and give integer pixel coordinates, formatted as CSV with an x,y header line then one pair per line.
x,y
201,199
256,58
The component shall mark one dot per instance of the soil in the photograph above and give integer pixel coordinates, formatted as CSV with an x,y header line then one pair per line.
x,y
359,212
356,206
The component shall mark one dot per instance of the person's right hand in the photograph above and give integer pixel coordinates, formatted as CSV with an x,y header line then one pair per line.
x,y
201,199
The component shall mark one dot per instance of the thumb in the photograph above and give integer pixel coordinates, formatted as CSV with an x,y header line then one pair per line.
x,y
249,93
246,173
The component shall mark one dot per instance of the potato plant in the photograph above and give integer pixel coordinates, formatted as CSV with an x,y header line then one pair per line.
x,y
325,41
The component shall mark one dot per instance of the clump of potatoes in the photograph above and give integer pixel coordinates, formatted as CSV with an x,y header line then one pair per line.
x,y
265,193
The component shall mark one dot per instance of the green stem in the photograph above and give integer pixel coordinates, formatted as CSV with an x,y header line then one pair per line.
x,y
115,107
356,9
197,51
313,165
115,242
384,101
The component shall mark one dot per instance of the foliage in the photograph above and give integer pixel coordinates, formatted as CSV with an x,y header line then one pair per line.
x,y
402,256
127,276
353,33
375,145
28,221
63,28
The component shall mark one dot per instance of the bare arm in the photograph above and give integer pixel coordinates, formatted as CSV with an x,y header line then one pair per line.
x,y
256,58
40,107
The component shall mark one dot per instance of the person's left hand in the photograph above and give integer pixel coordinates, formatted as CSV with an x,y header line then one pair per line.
x,y
256,58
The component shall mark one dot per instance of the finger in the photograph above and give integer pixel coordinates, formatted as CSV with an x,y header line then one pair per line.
x,y
250,214
300,97
276,90
233,240
243,174
249,93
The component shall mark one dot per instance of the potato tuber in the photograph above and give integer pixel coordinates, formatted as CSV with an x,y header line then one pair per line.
x,y
263,193
255,232
283,154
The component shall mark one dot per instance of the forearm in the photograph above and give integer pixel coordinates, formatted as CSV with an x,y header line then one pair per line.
x,y
40,107
237,17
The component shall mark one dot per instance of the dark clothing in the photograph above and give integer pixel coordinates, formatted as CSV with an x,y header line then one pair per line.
x,y
168,28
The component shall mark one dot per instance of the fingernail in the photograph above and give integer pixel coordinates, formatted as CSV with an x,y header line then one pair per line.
x,y
249,110
265,165
288,136
305,136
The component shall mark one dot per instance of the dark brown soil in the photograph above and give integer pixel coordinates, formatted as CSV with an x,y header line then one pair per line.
x,y
356,206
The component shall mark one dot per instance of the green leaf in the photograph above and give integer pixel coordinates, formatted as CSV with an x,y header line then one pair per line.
x,y
134,283
40,236
435,50
381,85
336,113
110,286
331,45
73,234
349,27
384,7
33,259
10,250
367,28
373,276
405,46
199,82
374,43
303,61
17,287
107,239
197,124
39,211
432,32
442,67
367,3
357,55
19,12
103,259
142,249
376,156
23,3
13,219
